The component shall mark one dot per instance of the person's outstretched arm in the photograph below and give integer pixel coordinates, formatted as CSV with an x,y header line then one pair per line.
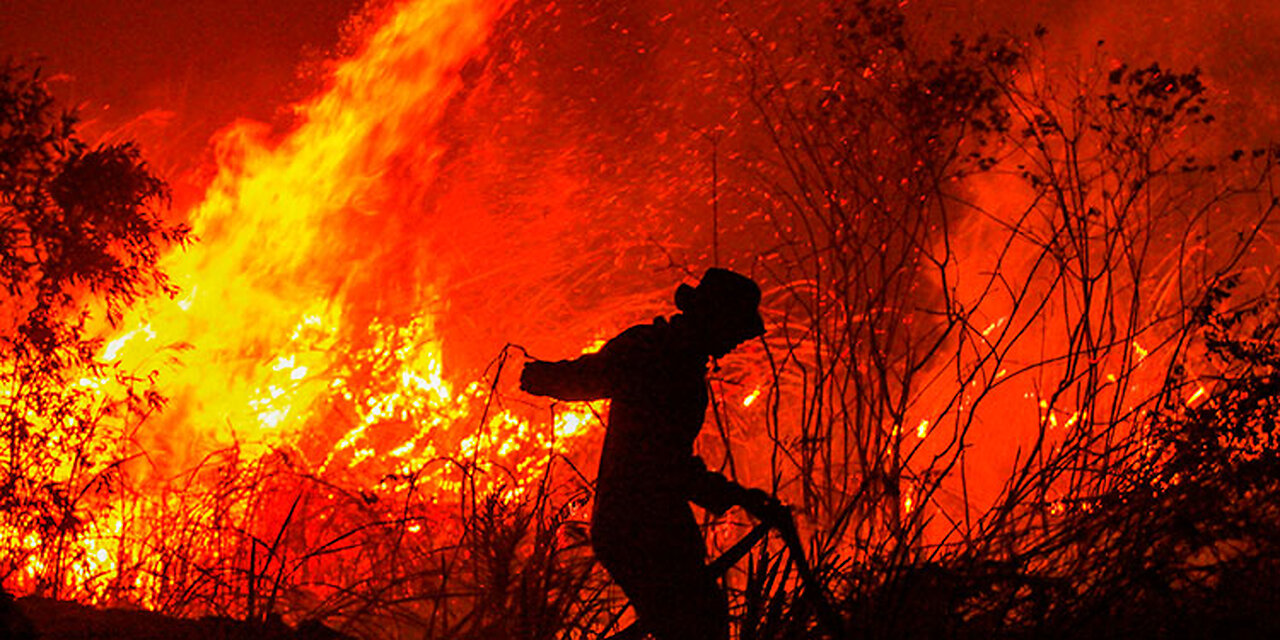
x,y
583,378
591,376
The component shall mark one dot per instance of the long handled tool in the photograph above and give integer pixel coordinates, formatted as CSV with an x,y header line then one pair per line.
x,y
786,527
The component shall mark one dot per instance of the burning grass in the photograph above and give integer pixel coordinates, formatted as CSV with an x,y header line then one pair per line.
x,y
1017,381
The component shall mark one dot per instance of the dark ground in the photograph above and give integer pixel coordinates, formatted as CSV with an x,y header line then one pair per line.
x,y
33,618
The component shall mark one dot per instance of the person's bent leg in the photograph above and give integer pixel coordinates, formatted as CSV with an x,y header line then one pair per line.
x,y
689,607
660,563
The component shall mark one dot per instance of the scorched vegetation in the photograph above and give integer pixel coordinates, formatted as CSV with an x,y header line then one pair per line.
x,y
1019,377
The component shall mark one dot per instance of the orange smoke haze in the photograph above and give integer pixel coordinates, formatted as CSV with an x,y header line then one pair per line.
x,y
474,172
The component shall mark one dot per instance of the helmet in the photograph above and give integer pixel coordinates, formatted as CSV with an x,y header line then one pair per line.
x,y
724,301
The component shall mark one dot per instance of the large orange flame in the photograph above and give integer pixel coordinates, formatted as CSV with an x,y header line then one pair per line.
x,y
271,301
301,324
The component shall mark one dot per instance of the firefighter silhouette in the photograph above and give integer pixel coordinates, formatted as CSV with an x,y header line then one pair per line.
x,y
643,530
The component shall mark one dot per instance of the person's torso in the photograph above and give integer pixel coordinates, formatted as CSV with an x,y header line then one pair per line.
x,y
655,414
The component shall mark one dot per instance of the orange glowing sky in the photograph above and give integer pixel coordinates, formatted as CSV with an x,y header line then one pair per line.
x,y
172,74
193,67
212,61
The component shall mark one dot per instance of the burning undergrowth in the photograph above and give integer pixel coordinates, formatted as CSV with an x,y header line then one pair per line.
x,y
988,277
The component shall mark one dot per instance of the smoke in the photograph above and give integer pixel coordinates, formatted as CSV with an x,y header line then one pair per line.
x,y
548,185
170,75
1234,42
612,111
211,63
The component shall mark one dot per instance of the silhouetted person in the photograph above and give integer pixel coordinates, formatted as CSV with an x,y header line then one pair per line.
x,y
643,530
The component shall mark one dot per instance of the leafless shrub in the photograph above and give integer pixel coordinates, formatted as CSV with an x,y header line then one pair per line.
x,y
983,245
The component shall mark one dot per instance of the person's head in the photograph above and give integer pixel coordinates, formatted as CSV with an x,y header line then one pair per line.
x,y
724,310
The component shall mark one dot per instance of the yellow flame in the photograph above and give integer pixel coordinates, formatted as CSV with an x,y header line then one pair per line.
x,y
269,282
272,339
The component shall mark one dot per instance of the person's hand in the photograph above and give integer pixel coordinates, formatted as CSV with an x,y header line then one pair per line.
x,y
533,378
764,507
